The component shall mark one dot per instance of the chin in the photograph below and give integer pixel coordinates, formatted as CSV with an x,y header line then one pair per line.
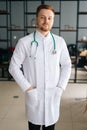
x,y
45,29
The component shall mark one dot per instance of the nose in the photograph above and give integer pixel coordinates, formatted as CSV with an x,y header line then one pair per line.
x,y
46,20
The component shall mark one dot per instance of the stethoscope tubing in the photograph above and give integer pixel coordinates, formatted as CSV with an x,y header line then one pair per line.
x,y
35,42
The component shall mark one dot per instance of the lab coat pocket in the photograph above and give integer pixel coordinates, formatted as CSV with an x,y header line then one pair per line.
x,y
57,96
31,98
53,97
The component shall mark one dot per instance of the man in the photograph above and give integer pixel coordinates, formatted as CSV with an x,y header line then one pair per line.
x,y
46,66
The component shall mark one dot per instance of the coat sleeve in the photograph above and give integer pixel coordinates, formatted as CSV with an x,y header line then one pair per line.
x,y
15,64
65,66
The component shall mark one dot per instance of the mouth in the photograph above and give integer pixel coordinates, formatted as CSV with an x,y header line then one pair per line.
x,y
45,25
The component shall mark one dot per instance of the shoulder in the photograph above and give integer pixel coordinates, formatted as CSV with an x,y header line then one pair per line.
x,y
59,39
26,38
24,43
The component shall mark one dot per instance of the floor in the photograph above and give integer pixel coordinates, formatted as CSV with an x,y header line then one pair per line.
x,y
73,104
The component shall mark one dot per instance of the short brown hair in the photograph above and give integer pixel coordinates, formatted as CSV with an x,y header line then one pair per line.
x,y
44,7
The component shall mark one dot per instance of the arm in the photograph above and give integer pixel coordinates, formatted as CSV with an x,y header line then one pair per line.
x,y
17,59
65,67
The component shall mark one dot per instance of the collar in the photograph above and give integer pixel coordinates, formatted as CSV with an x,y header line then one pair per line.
x,y
39,35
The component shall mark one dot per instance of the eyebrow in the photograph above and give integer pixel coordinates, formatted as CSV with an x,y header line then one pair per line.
x,y
45,16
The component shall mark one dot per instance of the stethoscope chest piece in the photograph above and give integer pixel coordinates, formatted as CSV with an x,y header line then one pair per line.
x,y
54,52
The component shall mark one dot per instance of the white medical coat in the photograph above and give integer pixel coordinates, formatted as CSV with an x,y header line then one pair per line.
x,y
48,72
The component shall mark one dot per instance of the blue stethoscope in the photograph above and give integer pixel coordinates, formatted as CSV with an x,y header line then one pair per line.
x,y
35,43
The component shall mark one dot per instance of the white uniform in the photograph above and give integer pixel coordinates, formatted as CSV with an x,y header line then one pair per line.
x,y
48,72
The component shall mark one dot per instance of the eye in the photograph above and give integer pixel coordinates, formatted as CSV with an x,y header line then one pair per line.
x,y
42,17
50,18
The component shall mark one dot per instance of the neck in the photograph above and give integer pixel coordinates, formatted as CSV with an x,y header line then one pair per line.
x,y
44,33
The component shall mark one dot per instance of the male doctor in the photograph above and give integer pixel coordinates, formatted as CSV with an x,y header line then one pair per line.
x,y
46,71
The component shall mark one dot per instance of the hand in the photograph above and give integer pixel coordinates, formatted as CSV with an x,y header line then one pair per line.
x,y
30,88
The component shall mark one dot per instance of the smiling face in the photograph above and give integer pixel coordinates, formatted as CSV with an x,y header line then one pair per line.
x,y
45,19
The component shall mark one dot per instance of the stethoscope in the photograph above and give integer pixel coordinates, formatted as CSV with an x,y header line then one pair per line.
x,y
34,44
